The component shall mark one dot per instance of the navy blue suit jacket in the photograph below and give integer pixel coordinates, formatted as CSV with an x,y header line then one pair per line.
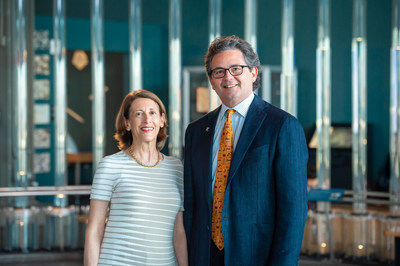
x,y
265,204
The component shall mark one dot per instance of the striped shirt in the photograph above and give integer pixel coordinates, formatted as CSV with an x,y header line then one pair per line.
x,y
144,203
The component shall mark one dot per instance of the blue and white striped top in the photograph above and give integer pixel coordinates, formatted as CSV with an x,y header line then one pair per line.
x,y
144,203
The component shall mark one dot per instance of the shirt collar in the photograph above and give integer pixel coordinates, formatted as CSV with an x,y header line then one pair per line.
x,y
242,108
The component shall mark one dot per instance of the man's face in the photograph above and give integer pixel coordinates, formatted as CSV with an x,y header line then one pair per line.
x,y
232,90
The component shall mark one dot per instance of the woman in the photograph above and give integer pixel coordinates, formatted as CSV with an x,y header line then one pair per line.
x,y
143,190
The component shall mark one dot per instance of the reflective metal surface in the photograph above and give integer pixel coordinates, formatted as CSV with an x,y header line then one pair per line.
x,y
323,121
135,44
60,92
250,22
175,78
288,84
394,146
44,191
215,13
359,103
21,96
98,76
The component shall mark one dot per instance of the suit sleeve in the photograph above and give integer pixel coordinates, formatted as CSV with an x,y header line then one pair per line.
x,y
291,193
188,190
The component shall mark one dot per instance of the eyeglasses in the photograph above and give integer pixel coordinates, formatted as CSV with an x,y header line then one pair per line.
x,y
220,72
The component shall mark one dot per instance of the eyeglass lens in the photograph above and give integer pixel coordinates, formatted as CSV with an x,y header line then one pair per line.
x,y
234,70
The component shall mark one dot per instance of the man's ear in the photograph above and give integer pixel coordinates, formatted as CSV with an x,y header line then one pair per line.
x,y
209,79
254,73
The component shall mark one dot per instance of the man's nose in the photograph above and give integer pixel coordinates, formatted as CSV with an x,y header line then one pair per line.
x,y
227,74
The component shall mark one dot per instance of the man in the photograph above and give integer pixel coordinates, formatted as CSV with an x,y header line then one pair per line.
x,y
248,207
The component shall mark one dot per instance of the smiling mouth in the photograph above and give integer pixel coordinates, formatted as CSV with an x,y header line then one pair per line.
x,y
230,86
147,129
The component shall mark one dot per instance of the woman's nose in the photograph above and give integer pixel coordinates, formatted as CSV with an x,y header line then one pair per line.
x,y
146,117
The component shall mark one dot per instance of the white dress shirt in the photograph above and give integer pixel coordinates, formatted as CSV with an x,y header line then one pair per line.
x,y
238,119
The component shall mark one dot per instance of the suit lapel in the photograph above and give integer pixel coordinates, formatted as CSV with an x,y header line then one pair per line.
x,y
254,118
206,143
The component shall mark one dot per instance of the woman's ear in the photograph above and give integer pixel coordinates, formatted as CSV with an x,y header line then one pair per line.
x,y
162,120
127,126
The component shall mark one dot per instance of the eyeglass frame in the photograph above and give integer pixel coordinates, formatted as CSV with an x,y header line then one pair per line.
x,y
211,72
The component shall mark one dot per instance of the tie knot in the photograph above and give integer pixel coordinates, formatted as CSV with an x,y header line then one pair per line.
x,y
229,112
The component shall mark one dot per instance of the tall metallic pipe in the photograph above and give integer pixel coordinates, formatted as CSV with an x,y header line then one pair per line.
x,y
359,102
395,111
98,105
175,78
288,83
135,45
215,32
324,95
60,102
20,99
250,22
323,160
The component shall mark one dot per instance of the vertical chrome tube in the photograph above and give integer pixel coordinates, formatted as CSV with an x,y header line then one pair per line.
x,y
250,22
288,83
324,95
215,19
135,45
323,160
175,78
20,99
215,32
98,105
395,111
60,92
359,104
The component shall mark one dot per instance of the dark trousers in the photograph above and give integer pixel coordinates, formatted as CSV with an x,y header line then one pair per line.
x,y
216,255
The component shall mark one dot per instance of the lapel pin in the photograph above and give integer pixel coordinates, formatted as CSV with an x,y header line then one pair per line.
x,y
207,128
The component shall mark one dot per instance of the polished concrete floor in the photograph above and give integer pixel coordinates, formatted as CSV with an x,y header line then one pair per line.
x,y
75,259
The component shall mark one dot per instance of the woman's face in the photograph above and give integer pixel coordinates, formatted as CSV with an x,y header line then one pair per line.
x,y
144,121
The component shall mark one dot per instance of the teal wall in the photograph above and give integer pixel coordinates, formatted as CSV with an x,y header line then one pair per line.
x,y
79,85
195,39
195,42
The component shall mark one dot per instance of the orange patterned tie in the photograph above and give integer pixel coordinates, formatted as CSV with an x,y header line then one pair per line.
x,y
223,164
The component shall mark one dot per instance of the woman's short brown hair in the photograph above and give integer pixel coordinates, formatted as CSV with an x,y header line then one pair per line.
x,y
123,136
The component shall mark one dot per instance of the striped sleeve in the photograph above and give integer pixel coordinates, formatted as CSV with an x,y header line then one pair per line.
x,y
104,179
179,180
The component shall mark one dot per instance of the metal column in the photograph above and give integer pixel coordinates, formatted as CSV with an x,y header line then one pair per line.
x,y
98,105
135,45
214,32
288,83
20,99
175,78
323,123
250,22
395,111
359,104
60,99
324,95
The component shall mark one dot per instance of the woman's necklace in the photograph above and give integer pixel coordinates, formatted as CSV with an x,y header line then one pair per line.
x,y
142,164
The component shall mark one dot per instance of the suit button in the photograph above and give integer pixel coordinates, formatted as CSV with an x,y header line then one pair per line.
x,y
208,228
